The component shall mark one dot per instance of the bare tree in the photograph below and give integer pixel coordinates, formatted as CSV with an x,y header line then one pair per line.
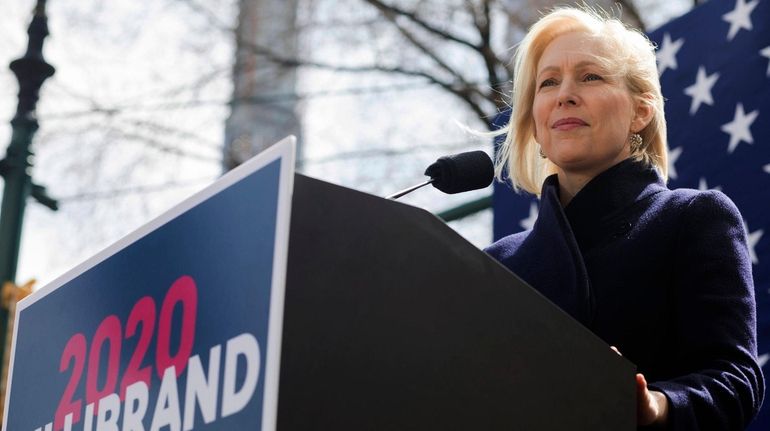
x,y
461,46
134,117
126,124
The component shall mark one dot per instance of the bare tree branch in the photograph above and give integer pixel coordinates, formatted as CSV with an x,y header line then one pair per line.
x,y
389,9
425,49
137,190
464,92
482,20
167,130
421,46
468,93
162,147
210,16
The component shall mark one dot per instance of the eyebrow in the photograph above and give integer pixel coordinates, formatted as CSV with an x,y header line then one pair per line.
x,y
579,65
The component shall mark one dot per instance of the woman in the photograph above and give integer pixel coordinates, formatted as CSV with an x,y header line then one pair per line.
x,y
662,275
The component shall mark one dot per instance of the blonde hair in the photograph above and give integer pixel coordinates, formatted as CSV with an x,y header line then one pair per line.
x,y
632,55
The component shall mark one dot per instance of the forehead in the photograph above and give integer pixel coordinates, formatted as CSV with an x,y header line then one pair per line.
x,y
570,49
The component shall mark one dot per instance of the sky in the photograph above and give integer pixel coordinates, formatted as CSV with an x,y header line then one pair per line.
x,y
129,127
134,58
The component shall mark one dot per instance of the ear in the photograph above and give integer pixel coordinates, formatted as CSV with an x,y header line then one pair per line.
x,y
643,113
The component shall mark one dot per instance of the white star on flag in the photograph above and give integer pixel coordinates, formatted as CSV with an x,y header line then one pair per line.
x,y
666,54
673,155
703,185
766,168
753,239
738,129
766,53
701,90
763,359
529,222
740,17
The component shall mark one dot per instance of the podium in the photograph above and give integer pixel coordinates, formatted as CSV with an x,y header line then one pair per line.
x,y
393,321
275,301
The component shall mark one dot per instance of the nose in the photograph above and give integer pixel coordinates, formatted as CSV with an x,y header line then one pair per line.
x,y
567,94
569,100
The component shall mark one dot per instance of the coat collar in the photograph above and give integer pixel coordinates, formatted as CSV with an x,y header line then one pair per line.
x,y
593,210
562,275
564,234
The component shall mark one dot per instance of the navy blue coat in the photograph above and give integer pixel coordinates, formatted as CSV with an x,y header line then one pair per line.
x,y
663,275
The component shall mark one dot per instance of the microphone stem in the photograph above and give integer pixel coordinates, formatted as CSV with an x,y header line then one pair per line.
x,y
405,191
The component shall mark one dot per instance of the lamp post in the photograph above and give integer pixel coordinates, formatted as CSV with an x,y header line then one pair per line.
x,y
31,71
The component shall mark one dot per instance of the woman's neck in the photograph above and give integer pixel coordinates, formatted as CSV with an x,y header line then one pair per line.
x,y
570,185
571,181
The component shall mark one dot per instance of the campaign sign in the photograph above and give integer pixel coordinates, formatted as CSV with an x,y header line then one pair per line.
x,y
175,327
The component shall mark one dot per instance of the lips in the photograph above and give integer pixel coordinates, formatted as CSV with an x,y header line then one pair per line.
x,y
568,123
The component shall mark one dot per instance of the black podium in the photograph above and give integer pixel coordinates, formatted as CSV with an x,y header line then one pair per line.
x,y
393,321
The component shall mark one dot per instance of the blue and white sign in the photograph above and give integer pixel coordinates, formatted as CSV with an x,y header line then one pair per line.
x,y
175,327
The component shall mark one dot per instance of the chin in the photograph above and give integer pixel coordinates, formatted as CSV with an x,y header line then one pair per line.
x,y
571,161
579,163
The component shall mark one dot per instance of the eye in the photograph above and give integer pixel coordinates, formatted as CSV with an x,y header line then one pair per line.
x,y
548,83
592,77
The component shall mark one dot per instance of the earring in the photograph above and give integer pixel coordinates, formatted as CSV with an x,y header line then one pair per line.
x,y
542,154
636,142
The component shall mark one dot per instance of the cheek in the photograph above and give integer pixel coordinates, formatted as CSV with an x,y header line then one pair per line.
x,y
538,109
619,108
539,117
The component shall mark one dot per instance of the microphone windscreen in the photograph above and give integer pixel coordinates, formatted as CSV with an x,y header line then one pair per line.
x,y
462,172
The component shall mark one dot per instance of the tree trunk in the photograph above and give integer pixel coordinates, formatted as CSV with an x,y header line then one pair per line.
x,y
264,103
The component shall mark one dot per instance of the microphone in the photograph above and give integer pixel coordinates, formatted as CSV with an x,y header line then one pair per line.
x,y
457,173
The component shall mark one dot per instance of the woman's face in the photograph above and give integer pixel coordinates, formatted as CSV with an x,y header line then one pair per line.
x,y
583,115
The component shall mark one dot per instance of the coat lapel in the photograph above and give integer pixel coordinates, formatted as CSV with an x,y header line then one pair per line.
x,y
550,258
559,272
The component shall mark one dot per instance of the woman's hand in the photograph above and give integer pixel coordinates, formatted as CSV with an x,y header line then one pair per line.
x,y
651,406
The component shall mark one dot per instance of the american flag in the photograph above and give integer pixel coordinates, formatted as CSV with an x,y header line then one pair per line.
x,y
714,66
